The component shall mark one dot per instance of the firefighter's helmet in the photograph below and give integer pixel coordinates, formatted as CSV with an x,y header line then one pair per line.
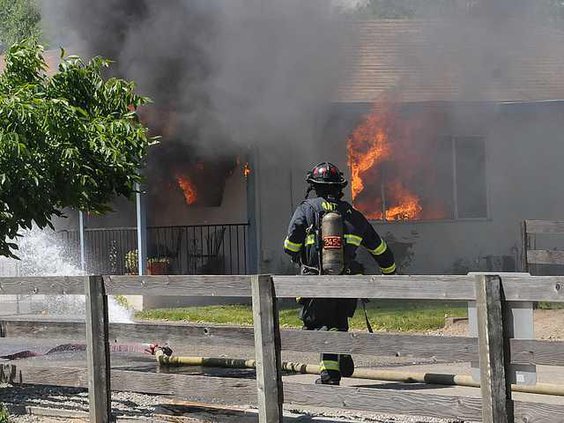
x,y
326,174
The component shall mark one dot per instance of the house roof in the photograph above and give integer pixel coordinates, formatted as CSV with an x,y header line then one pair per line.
x,y
412,61
415,60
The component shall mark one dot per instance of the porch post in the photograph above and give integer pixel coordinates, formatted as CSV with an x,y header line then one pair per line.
x,y
81,238
141,213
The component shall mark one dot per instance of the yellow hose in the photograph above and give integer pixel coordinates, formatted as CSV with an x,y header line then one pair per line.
x,y
387,375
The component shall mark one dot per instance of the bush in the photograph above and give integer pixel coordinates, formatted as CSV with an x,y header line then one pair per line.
x,y
122,301
131,261
4,417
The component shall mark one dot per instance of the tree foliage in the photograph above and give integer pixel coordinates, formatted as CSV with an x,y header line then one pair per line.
x,y
19,19
546,10
71,139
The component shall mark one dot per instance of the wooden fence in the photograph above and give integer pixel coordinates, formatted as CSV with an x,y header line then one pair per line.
x,y
533,256
493,348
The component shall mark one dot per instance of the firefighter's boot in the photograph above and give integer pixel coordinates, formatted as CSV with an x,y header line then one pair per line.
x,y
329,370
346,365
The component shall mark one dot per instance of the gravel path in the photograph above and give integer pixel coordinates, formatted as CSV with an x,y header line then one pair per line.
x,y
135,407
73,400
548,325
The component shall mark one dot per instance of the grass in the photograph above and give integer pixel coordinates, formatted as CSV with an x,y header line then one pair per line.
x,y
405,316
543,305
4,417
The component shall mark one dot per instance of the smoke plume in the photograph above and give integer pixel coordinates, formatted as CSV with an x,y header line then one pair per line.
x,y
223,73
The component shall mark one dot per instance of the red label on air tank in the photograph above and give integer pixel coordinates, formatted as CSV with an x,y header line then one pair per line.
x,y
332,242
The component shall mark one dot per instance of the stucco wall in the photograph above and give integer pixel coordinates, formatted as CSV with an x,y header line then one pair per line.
x,y
524,146
524,174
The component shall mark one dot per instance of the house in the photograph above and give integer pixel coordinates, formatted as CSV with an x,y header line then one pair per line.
x,y
471,134
474,134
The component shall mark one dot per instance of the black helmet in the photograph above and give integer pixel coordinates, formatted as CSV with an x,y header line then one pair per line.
x,y
326,174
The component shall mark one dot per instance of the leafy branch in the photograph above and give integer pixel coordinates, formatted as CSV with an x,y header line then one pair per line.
x,y
72,139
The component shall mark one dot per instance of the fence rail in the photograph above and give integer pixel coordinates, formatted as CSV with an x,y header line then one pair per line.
x,y
191,249
533,255
427,287
449,348
493,346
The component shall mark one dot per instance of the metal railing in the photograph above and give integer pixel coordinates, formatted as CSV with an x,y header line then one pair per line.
x,y
220,249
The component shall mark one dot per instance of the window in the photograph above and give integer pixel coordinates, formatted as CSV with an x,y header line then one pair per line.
x,y
469,170
440,179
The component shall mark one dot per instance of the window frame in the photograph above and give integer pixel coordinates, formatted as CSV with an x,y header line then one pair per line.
x,y
456,210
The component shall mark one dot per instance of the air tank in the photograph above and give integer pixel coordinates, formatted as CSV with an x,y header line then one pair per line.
x,y
332,246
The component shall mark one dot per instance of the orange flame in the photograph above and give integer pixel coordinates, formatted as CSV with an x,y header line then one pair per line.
x,y
188,188
246,170
409,209
368,149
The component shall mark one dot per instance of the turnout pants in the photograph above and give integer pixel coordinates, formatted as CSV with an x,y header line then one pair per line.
x,y
329,314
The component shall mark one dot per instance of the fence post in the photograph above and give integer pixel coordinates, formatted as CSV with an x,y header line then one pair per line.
x,y
267,349
497,405
524,247
97,350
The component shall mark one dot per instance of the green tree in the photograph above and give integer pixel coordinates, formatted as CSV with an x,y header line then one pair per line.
x,y
72,139
546,10
409,9
19,19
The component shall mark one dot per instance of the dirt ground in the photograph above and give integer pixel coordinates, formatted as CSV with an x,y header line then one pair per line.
x,y
548,325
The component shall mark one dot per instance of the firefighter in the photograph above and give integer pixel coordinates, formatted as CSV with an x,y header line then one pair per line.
x,y
323,236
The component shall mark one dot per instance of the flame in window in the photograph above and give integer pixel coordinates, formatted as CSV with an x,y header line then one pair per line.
x,y
379,197
188,188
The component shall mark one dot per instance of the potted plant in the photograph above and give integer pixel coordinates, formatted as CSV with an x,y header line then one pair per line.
x,y
158,265
131,262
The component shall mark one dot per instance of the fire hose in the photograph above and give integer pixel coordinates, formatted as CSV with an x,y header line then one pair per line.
x,y
165,358
113,347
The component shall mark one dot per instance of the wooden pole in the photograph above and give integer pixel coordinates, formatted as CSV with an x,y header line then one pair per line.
x,y
267,350
497,405
97,350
